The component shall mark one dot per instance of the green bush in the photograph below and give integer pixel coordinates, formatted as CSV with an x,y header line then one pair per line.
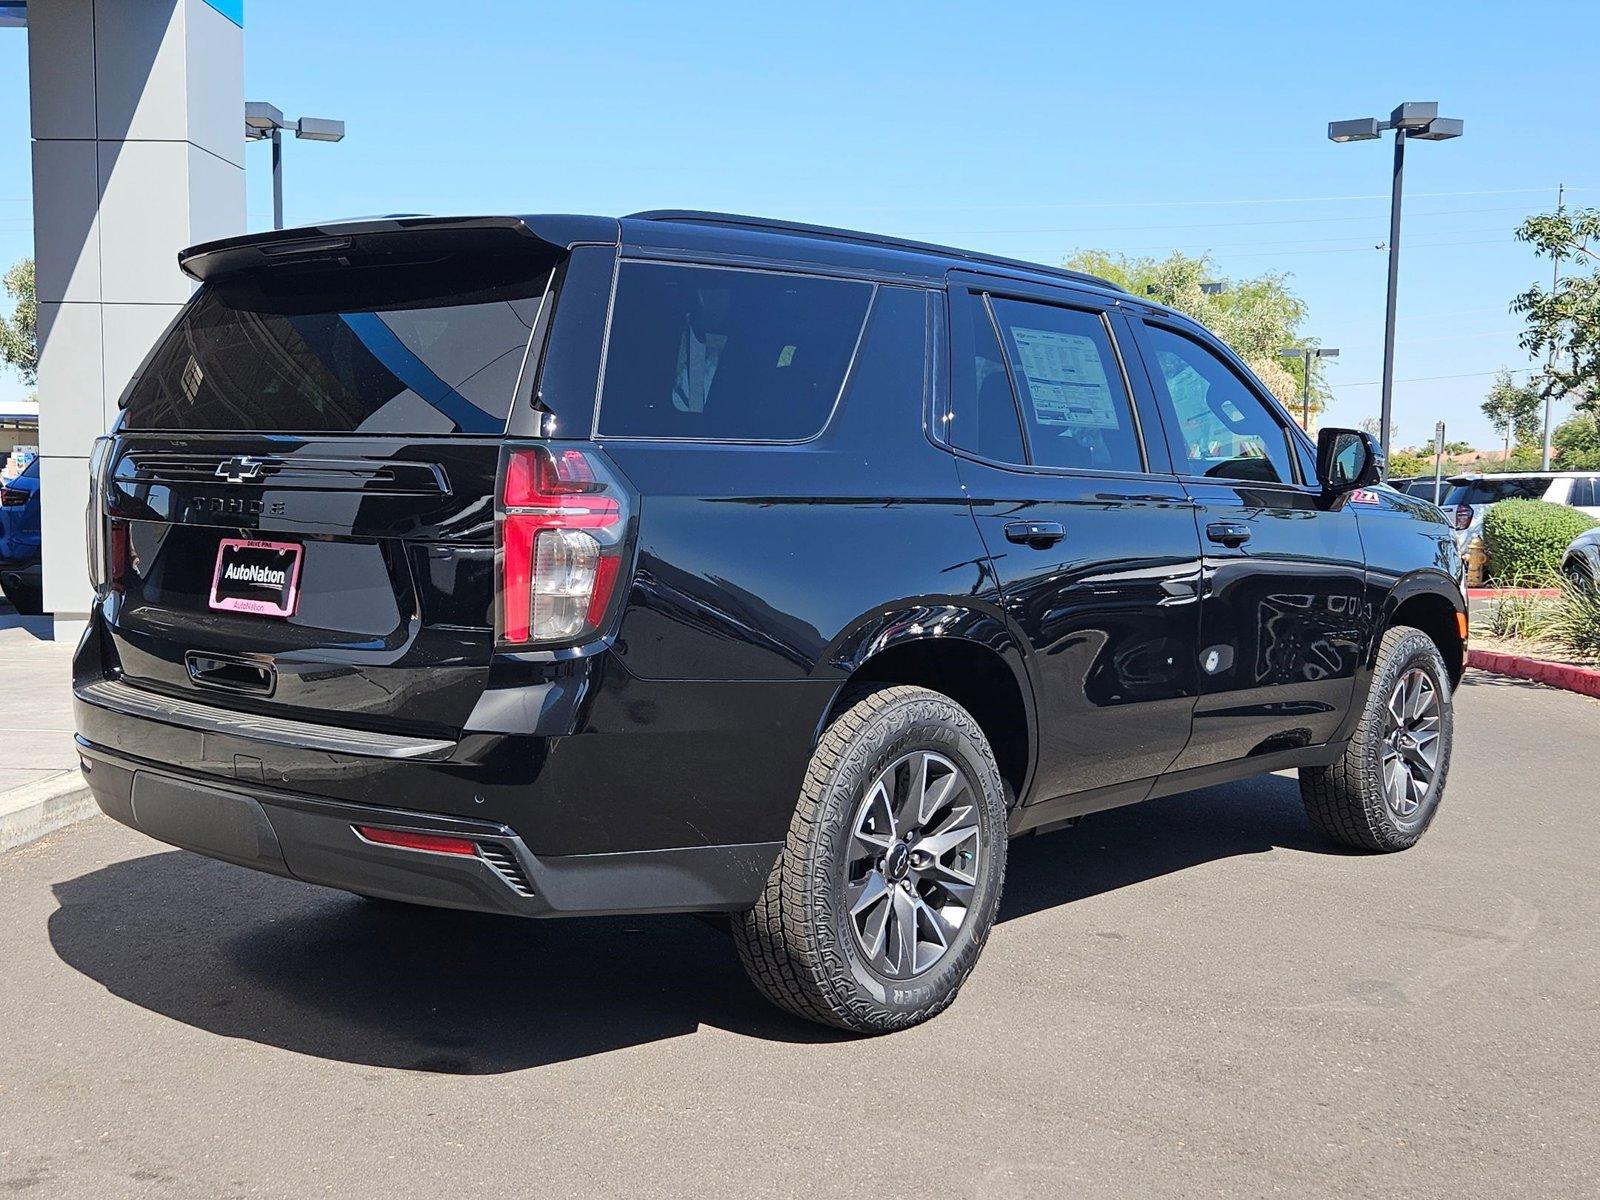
x,y
1574,621
1523,618
1526,539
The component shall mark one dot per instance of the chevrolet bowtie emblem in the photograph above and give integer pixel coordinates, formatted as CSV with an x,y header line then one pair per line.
x,y
241,467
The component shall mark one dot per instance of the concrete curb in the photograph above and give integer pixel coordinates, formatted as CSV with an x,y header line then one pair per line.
x,y
35,809
1583,680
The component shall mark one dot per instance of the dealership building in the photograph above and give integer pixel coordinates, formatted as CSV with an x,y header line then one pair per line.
x,y
137,116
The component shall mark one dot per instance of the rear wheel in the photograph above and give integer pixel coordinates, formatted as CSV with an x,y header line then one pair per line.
x,y
888,883
1385,790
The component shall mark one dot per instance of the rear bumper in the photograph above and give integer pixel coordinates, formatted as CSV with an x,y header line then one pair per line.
x,y
315,840
21,574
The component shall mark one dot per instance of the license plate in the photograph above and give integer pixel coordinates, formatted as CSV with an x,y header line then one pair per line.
x,y
256,577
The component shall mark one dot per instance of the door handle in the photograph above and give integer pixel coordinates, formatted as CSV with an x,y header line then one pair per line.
x,y
1037,534
1228,533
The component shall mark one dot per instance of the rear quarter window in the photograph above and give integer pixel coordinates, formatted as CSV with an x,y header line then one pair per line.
x,y
727,355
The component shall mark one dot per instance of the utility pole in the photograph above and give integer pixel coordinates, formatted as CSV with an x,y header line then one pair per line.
x,y
1438,458
1549,399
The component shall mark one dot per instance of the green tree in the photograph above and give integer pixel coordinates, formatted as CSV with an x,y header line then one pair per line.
x,y
1564,320
1576,442
1515,410
1256,317
19,334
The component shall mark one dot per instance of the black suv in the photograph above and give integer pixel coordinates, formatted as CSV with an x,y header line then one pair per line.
x,y
551,565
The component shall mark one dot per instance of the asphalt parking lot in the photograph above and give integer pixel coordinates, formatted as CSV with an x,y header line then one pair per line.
x,y
1192,997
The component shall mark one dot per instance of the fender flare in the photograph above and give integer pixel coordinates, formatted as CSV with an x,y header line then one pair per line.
x,y
1423,581
930,621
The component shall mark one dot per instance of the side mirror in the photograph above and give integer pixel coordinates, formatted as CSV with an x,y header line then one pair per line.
x,y
1348,459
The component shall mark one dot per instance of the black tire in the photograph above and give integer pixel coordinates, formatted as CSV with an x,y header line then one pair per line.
x,y
798,943
1347,800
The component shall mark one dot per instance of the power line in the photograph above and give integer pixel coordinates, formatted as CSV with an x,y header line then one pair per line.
x,y
1447,212
1428,378
1183,203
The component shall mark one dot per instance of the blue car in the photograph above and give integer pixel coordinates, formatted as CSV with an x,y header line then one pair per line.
x,y
20,576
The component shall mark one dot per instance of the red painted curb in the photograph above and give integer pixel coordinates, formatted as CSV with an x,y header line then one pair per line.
x,y
1583,680
1492,593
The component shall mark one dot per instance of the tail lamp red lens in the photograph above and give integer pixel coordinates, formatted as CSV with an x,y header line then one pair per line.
x,y
435,843
1463,516
12,497
562,526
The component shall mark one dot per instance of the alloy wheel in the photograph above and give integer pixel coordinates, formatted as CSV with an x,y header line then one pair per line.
x,y
1409,751
912,869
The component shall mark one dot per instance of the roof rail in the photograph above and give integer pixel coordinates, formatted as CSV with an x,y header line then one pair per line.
x,y
867,239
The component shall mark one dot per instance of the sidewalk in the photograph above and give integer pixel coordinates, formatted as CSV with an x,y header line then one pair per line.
x,y
40,788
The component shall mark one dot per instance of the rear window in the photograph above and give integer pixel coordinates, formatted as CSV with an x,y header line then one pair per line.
x,y
429,349
711,353
1492,491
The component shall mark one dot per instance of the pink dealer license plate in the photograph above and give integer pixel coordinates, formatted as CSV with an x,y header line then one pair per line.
x,y
256,577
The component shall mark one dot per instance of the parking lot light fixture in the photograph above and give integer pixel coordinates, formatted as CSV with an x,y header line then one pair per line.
x,y
266,122
1414,119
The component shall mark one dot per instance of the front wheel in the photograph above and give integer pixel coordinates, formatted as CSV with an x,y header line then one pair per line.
x,y
1384,792
888,883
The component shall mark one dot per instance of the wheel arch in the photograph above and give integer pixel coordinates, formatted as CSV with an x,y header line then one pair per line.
x,y
964,653
1432,602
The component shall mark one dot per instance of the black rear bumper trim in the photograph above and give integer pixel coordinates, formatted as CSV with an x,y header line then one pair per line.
x,y
169,710
315,840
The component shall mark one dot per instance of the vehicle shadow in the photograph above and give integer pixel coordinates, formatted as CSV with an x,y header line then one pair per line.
x,y
1126,846
41,628
317,972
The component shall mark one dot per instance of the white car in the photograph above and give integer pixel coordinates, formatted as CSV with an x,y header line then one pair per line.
x,y
1469,496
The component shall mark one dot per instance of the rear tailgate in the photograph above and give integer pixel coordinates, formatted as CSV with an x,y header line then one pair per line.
x,y
301,495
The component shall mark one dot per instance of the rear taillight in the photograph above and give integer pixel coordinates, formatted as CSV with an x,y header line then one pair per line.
x,y
562,525
96,542
12,497
1463,516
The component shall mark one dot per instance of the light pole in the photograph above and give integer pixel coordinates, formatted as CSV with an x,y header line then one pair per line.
x,y
1414,119
1307,355
266,121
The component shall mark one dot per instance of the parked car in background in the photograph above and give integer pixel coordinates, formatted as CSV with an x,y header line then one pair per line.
x,y
1470,496
1422,487
693,562
20,577
1581,563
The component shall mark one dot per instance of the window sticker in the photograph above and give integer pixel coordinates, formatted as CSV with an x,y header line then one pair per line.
x,y
1066,379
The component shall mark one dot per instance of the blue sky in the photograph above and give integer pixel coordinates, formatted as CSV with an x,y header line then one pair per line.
x,y
1031,129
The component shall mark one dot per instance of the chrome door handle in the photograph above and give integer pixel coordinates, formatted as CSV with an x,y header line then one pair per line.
x,y
1228,533
1037,534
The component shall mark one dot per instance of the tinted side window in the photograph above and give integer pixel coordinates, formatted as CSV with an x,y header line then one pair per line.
x,y
1584,492
1492,491
1222,429
703,352
983,413
1068,379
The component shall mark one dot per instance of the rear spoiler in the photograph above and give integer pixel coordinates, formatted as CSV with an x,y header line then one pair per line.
x,y
209,260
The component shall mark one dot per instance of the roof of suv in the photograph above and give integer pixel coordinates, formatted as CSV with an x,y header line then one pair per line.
x,y
901,247
660,229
